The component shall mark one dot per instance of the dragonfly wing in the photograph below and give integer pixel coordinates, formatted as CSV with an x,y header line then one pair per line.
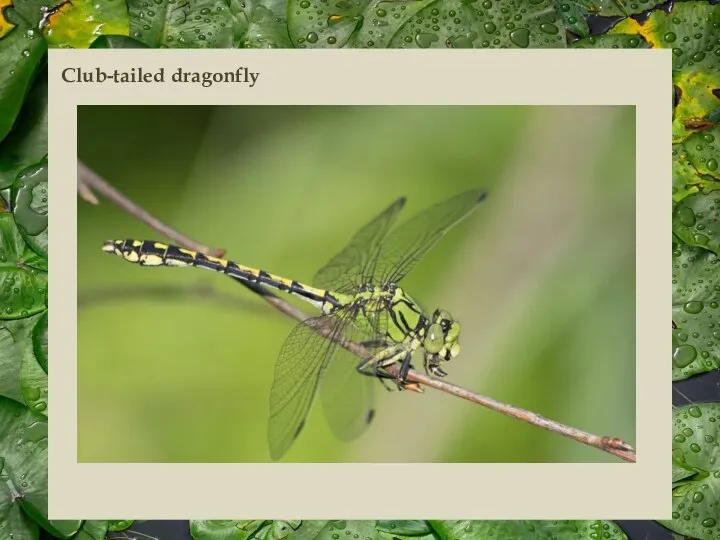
x,y
300,364
347,396
409,243
343,273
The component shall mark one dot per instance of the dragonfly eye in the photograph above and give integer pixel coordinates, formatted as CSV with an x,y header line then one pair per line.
x,y
453,332
434,339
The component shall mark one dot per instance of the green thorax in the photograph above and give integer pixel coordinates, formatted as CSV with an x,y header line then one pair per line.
x,y
388,308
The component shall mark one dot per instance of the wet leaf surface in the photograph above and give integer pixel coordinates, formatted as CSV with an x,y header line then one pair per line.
x,y
399,529
266,24
24,449
92,530
696,499
182,24
117,42
30,206
23,274
510,530
21,52
78,23
425,24
695,220
16,343
691,30
696,293
695,164
615,41
27,142
119,525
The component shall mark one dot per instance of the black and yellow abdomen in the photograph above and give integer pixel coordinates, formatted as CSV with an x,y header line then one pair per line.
x,y
151,253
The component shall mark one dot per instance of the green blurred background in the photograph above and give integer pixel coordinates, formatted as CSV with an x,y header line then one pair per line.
x,y
175,365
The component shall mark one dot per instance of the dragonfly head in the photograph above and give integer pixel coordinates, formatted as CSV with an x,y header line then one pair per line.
x,y
441,341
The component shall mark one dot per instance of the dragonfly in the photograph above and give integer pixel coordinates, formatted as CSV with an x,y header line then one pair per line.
x,y
361,301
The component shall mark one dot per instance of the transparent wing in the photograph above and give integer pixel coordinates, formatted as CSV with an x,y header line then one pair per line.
x,y
347,396
344,272
300,364
409,243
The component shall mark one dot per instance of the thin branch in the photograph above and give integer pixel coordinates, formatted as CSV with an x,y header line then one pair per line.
x,y
89,180
614,446
610,445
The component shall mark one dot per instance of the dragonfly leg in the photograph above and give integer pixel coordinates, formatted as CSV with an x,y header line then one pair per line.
x,y
383,375
404,369
385,357
432,366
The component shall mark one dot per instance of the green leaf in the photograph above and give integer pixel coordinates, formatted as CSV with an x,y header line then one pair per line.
x,y
78,23
14,523
511,530
39,12
696,503
24,476
311,529
424,24
202,529
696,317
265,24
615,8
92,530
681,471
405,528
699,91
695,220
573,14
30,206
23,378
182,24
333,529
23,276
278,530
614,41
692,30
62,528
33,381
703,153
40,341
27,142
15,343
693,170
119,525
21,52
117,42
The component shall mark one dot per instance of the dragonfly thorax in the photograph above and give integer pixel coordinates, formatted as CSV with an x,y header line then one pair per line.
x,y
374,298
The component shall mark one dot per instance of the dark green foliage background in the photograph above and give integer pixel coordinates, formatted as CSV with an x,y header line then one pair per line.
x,y
691,29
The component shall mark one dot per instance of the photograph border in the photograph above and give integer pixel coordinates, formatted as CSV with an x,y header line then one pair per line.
x,y
360,490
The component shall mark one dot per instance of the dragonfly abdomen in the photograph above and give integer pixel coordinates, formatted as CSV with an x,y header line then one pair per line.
x,y
150,253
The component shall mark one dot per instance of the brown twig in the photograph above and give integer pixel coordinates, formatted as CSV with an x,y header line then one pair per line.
x,y
610,445
614,446
88,180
